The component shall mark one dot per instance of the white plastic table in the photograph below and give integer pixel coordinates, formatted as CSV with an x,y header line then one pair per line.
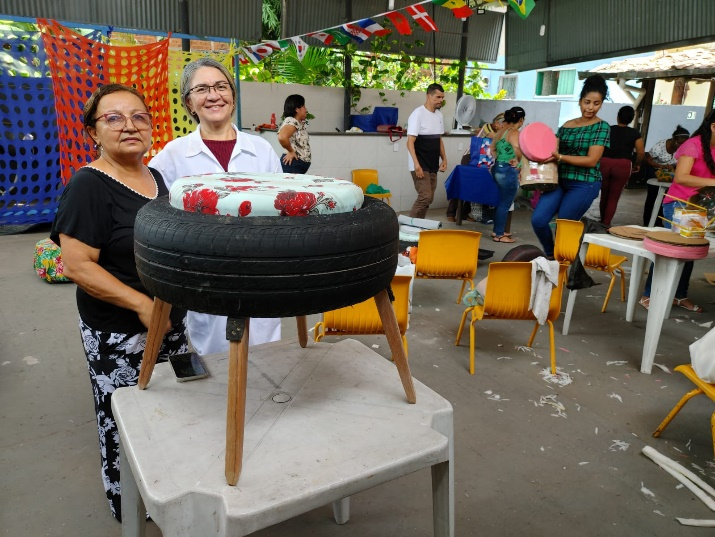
x,y
662,187
322,423
666,273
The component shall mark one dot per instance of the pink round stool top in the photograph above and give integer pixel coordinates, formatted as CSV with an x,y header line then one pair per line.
x,y
676,246
537,141
264,194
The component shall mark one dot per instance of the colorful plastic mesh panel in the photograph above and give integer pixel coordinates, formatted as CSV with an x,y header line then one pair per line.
x,y
79,65
30,182
182,122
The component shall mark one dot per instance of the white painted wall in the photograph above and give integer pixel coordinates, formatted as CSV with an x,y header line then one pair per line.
x,y
335,155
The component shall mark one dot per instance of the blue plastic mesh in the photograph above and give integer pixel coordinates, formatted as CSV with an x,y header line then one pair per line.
x,y
30,180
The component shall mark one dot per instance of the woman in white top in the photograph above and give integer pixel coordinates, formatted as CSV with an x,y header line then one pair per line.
x,y
208,93
293,136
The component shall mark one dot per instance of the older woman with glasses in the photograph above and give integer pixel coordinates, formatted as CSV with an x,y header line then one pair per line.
x,y
94,226
208,93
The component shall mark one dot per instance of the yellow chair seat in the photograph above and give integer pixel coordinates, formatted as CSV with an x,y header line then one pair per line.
x,y
448,254
507,297
364,177
702,387
364,319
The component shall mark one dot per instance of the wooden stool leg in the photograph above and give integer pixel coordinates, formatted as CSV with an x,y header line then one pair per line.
x,y
302,321
237,334
159,317
392,332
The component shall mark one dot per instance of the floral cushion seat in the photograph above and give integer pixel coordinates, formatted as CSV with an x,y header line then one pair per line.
x,y
264,194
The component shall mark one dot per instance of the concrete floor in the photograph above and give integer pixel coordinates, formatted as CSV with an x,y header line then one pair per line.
x,y
520,469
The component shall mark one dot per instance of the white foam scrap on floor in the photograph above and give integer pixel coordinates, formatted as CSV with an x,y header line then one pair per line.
x,y
30,360
679,486
696,522
561,378
578,407
436,309
594,354
662,367
375,346
658,512
5,363
698,468
435,365
504,358
616,362
619,445
616,396
704,325
551,401
582,463
646,491
679,320
542,448
524,348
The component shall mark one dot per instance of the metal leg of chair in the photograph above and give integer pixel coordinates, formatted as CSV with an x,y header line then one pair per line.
x,y
712,429
461,291
552,346
302,330
472,344
237,334
159,317
687,397
461,326
392,333
533,334
623,284
608,293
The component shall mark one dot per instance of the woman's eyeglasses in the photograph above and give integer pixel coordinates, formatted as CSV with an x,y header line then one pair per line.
x,y
204,89
116,122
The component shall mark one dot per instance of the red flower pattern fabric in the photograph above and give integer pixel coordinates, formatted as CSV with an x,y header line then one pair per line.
x,y
201,201
264,194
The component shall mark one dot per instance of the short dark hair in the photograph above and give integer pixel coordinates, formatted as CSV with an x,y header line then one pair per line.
x,y
626,114
680,132
513,115
595,83
292,103
432,88
91,105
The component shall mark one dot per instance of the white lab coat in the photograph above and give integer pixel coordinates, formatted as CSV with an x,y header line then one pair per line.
x,y
189,155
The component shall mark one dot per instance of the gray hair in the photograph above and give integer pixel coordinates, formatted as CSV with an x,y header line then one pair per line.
x,y
188,74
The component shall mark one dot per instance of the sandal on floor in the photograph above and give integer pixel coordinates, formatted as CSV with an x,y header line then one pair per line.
x,y
503,238
680,302
505,234
645,302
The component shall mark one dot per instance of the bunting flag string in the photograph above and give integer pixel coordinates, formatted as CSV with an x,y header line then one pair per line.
x,y
362,30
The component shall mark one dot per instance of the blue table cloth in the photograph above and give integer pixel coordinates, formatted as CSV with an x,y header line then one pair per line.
x,y
470,183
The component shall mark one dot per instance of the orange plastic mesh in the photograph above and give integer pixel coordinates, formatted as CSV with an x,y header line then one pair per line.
x,y
79,66
181,121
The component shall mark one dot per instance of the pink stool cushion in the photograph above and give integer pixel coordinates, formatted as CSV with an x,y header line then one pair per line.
x,y
675,250
537,141
264,194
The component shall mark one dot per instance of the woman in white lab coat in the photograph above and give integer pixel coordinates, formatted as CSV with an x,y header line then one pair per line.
x,y
208,93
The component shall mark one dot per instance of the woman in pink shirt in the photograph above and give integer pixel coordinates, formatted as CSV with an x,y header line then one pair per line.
x,y
695,169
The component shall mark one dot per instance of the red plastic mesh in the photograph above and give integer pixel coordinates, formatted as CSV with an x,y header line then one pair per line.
x,y
79,66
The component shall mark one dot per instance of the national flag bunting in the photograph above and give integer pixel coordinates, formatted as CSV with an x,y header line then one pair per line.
x,y
259,52
522,7
418,13
339,36
372,27
323,37
278,45
459,7
358,33
301,47
400,22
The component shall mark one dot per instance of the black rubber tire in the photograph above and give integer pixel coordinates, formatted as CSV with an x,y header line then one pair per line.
x,y
524,252
275,266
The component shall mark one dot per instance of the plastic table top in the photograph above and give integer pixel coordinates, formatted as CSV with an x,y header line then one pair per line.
x,y
322,423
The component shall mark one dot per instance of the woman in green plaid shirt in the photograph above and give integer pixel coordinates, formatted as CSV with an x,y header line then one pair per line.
x,y
581,145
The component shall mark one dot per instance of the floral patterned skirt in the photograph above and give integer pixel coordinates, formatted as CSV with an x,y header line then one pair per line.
x,y
113,361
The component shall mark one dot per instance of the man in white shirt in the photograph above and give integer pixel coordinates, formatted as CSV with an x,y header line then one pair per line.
x,y
425,147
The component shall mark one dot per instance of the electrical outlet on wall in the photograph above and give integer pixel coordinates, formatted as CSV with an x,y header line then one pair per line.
x,y
395,147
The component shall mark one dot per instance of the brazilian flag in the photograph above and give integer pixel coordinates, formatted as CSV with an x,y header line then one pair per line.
x,y
522,7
